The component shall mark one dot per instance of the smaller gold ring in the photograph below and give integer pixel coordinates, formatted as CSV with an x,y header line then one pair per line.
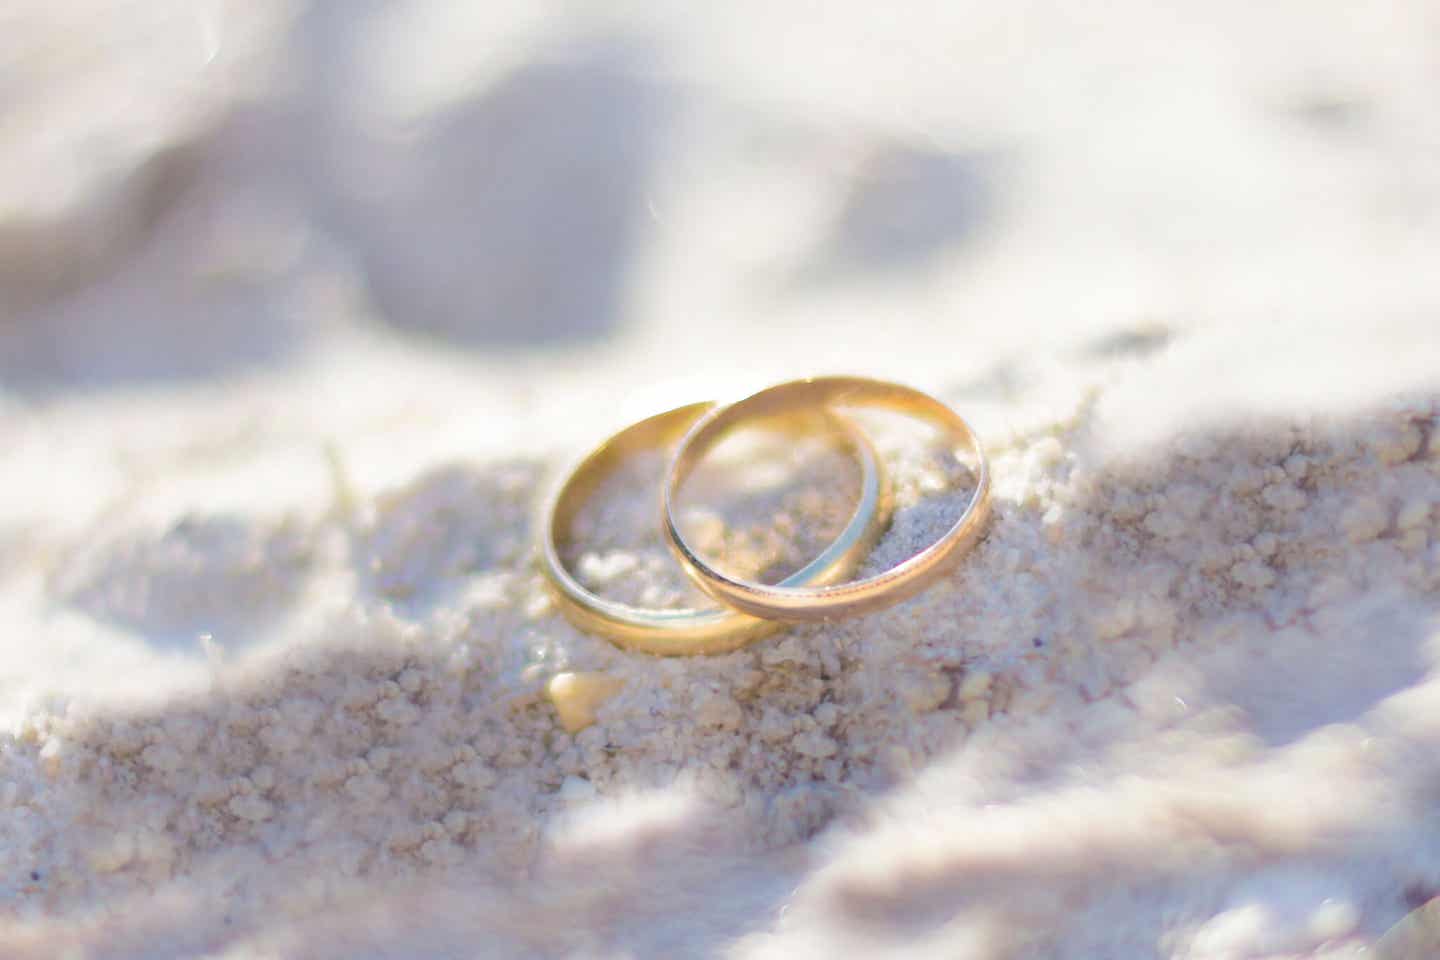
x,y
802,603
710,630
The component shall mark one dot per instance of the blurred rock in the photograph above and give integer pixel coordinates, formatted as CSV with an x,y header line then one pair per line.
x,y
907,203
144,231
509,217
107,104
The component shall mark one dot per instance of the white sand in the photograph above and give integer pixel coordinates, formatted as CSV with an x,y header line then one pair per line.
x,y
272,643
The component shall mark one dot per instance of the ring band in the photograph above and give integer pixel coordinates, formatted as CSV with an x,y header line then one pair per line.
x,y
709,630
801,603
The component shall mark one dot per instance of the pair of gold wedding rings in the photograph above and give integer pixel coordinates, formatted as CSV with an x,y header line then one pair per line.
x,y
817,592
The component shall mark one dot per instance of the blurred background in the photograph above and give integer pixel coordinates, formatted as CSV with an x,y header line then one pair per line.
x,y
209,189
269,264
409,231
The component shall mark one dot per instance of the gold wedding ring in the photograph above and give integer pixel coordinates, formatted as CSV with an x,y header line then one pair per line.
x,y
793,600
710,630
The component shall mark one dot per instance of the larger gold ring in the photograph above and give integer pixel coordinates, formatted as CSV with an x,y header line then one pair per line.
x,y
711,630
799,603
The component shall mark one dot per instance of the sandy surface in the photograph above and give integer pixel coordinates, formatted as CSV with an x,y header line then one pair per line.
x,y
302,307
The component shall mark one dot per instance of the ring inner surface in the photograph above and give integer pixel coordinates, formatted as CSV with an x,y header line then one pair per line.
x,y
771,495
770,498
